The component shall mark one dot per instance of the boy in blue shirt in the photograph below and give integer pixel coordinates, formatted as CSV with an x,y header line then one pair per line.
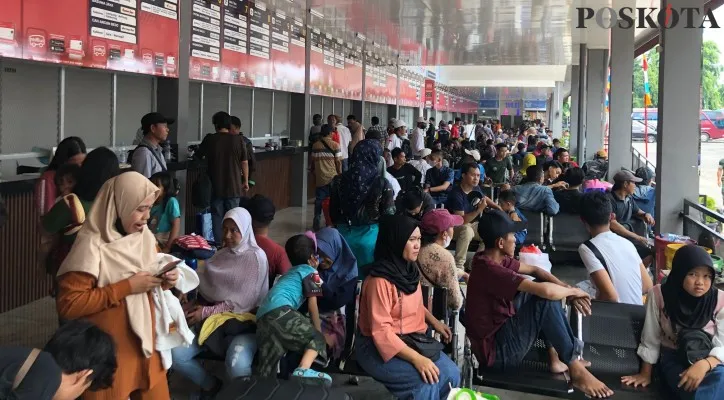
x,y
507,204
280,328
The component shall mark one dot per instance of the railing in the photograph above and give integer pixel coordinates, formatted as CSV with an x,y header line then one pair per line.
x,y
638,160
702,224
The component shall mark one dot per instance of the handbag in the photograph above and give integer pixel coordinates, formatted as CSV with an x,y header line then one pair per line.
x,y
421,343
693,345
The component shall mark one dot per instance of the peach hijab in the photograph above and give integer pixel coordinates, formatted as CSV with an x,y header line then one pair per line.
x,y
110,256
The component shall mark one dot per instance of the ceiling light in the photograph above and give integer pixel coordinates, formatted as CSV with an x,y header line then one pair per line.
x,y
316,13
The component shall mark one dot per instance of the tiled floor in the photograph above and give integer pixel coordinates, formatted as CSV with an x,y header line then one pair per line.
x,y
32,324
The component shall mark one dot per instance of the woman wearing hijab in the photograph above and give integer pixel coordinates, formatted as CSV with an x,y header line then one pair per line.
x,y
528,161
236,280
107,278
391,306
684,330
359,197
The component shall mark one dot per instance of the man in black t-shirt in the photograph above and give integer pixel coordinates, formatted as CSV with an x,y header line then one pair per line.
x,y
407,176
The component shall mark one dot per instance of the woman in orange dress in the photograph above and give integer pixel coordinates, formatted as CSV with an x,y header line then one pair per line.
x,y
107,278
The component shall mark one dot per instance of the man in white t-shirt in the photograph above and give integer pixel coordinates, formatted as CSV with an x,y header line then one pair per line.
x,y
345,137
616,270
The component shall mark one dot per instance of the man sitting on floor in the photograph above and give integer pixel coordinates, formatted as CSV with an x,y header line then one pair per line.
x,y
506,313
616,270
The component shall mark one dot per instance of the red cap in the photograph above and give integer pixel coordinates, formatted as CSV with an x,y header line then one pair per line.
x,y
439,220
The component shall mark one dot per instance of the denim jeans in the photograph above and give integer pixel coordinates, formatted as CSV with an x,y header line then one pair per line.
x,y
219,208
712,387
401,378
345,165
239,358
535,317
322,192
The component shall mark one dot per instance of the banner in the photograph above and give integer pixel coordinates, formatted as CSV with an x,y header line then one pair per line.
x,y
124,35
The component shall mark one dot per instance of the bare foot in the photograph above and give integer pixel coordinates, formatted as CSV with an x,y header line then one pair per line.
x,y
587,383
556,365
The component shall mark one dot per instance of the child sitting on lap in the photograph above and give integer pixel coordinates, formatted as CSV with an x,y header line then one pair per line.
x,y
281,328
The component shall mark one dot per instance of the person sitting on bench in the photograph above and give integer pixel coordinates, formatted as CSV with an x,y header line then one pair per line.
x,y
615,267
684,330
503,325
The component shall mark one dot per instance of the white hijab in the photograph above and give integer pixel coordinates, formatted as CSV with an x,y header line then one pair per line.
x,y
238,275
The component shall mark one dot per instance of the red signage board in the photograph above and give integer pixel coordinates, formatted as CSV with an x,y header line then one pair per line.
x,y
124,35
430,94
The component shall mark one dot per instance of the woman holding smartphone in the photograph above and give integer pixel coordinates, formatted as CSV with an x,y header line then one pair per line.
x,y
107,278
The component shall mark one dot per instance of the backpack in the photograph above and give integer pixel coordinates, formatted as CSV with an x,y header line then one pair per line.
x,y
129,157
201,191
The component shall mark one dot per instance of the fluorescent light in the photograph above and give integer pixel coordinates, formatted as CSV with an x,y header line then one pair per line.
x,y
316,13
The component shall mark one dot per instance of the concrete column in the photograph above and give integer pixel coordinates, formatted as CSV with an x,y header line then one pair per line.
x,y
581,106
678,129
556,118
596,81
620,97
575,81
549,109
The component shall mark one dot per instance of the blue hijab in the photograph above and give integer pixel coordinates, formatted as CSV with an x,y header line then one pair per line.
x,y
344,263
357,182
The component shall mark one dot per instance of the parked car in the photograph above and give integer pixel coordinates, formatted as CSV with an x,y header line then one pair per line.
x,y
638,131
711,123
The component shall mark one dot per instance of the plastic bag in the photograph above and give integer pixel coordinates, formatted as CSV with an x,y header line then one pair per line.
x,y
469,394
530,249
539,260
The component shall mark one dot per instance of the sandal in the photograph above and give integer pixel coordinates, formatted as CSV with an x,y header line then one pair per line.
x,y
311,377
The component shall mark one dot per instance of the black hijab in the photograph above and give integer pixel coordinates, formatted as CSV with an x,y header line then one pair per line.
x,y
391,241
682,308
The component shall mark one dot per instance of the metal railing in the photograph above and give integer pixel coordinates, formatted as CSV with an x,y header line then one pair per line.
x,y
702,224
638,160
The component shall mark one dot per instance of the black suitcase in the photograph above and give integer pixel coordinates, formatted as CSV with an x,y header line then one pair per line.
x,y
277,389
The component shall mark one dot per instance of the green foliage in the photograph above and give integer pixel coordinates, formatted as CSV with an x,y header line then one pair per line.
x,y
712,90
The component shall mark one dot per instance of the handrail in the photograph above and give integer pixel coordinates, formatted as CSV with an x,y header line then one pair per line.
x,y
700,221
638,160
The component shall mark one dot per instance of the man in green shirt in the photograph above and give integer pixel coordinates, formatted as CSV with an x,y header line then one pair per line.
x,y
720,177
495,167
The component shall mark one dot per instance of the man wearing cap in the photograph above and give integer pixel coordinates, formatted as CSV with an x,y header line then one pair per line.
x,y
417,138
625,210
459,203
397,134
506,313
598,167
422,164
147,158
645,194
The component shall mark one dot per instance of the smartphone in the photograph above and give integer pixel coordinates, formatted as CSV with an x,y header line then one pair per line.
x,y
169,267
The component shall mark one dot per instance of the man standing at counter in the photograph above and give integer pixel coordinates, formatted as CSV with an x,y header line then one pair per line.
x,y
228,169
147,159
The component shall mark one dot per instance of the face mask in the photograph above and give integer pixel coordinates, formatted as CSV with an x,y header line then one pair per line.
x,y
447,240
431,163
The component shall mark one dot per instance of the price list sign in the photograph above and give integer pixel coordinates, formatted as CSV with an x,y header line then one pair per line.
x,y
206,31
112,20
280,32
259,31
328,49
235,26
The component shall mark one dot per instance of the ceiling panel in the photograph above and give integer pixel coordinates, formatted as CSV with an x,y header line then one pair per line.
x,y
456,32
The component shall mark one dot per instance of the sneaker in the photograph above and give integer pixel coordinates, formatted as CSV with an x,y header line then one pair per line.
x,y
309,376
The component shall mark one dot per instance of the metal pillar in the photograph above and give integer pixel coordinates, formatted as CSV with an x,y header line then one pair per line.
x,y
678,129
596,80
581,106
575,98
620,97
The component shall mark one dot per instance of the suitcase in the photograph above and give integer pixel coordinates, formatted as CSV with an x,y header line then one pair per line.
x,y
277,389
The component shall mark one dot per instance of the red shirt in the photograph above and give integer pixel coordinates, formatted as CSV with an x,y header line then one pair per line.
x,y
491,290
455,132
276,255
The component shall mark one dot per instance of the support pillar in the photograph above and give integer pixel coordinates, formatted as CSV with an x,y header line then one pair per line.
x,y
581,106
595,86
556,118
620,97
575,98
678,129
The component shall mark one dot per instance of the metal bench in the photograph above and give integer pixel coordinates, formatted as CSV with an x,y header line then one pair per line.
x,y
537,226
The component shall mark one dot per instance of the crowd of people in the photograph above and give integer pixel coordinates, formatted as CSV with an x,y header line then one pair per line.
x,y
129,312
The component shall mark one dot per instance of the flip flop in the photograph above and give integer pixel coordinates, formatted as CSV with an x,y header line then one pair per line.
x,y
312,377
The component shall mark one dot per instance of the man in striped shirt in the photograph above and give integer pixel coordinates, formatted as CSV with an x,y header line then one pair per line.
x,y
327,163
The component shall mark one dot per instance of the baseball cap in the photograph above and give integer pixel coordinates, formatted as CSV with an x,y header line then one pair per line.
x,y
421,119
439,220
645,174
494,224
625,176
153,119
399,124
474,153
602,154
425,152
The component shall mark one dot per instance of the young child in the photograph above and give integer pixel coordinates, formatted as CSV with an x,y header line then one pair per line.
x,y
281,328
684,330
506,201
65,179
165,220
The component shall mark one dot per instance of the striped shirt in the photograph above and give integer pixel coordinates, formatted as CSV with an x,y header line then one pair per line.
x,y
325,160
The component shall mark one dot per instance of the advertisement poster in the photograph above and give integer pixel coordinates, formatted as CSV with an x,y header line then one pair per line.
x,y
124,35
